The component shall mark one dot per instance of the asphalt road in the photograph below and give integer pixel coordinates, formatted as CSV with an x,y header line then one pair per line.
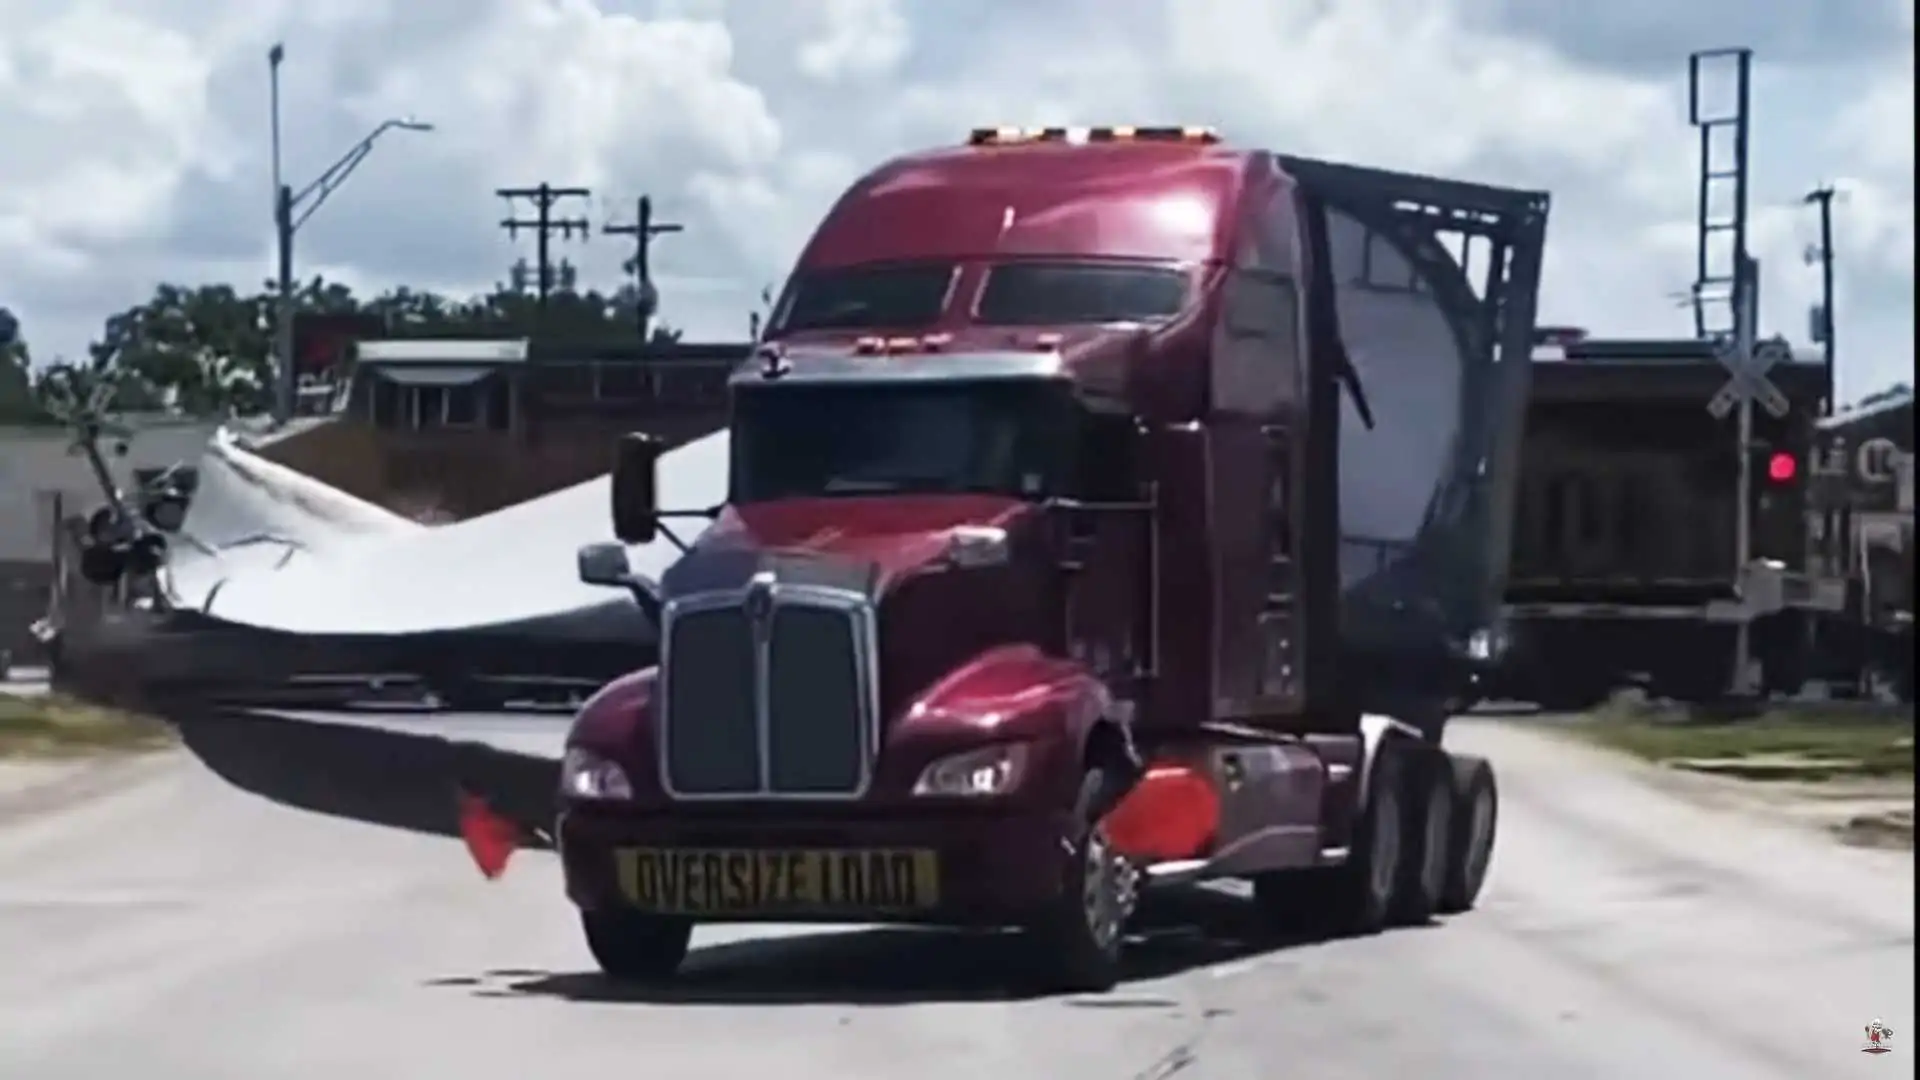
x,y
175,929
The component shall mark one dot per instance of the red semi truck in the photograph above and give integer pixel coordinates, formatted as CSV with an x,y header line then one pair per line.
x,y
1107,508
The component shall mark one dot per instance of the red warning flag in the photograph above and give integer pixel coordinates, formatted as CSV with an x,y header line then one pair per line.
x,y
491,839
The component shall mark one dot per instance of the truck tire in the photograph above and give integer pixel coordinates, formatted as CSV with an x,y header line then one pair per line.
x,y
1476,818
631,946
1077,943
1431,808
1355,898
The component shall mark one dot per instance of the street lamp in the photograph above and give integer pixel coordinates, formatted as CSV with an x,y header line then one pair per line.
x,y
291,209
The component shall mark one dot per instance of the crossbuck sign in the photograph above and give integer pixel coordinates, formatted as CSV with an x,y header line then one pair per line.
x,y
1749,380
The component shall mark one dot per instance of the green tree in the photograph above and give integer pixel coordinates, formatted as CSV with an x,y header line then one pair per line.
x,y
209,349
17,402
203,350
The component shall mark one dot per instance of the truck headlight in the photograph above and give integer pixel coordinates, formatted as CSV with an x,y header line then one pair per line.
x,y
587,775
990,770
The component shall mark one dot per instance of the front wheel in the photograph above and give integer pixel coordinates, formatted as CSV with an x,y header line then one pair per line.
x,y
1078,941
631,946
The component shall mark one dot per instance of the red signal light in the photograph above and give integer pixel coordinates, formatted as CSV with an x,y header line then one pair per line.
x,y
1782,468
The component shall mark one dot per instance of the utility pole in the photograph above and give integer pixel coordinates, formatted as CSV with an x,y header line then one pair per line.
x,y
1822,197
643,230
1746,332
544,225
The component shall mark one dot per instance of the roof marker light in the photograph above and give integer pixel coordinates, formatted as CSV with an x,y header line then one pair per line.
x,y
1014,136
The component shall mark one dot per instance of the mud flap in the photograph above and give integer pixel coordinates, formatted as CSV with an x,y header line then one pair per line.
x,y
484,777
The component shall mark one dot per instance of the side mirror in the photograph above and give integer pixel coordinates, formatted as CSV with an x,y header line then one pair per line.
x,y
604,564
636,507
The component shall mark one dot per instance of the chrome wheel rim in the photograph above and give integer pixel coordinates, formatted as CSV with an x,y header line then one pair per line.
x,y
1106,890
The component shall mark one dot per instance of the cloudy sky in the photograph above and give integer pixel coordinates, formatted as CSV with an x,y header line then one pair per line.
x,y
136,131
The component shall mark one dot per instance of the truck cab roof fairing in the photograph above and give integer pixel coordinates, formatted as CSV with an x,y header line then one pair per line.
x,y
1164,201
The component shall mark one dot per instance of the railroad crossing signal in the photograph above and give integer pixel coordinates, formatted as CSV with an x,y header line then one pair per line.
x,y
1749,380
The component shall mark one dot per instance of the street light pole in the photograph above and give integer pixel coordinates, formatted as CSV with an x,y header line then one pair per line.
x,y
275,56
291,209
283,252
286,388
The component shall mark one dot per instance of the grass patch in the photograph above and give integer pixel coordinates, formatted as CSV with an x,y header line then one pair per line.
x,y
53,725
1784,745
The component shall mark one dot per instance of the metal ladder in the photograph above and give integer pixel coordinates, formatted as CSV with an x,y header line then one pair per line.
x,y
1717,99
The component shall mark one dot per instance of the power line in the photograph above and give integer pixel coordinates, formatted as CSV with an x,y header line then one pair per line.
x,y
544,226
643,230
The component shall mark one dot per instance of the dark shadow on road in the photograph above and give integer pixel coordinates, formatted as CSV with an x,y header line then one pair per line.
x,y
1178,932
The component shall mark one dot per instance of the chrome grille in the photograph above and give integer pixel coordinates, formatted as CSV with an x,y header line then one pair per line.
x,y
768,694
712,742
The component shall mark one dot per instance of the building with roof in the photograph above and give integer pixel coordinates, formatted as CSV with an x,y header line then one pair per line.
x,y
443,428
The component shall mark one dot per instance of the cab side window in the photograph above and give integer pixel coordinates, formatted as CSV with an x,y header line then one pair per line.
x,y
1257,364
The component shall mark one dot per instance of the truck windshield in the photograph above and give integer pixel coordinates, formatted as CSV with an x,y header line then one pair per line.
x,y
989,437
1049,293
900,296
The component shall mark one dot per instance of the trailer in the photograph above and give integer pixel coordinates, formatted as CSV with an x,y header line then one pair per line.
x,y
1625,561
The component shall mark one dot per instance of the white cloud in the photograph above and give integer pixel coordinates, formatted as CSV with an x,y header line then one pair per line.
x,y
137,146
855,39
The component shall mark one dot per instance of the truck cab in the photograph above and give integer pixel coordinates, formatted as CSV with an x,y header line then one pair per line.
x,y
1107,508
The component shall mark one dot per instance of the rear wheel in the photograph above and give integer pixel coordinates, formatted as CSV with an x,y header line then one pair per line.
x,y
1477,813
1430,813
635,947
1077,943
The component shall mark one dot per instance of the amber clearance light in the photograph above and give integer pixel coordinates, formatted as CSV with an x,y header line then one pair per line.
x,y
1015,136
